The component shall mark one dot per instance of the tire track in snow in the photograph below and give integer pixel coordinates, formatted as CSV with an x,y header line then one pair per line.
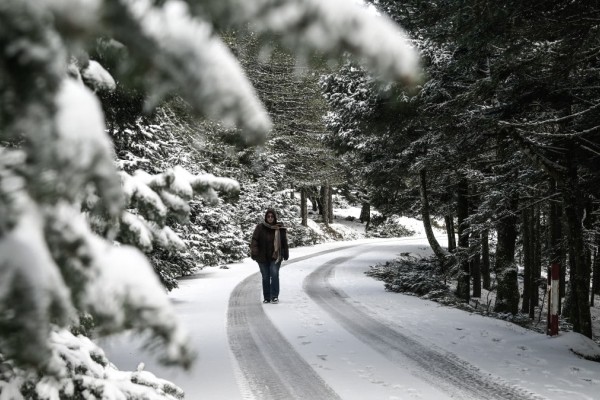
x,y
269,365
459,378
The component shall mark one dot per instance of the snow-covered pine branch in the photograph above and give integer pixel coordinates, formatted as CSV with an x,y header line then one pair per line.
x,y
191,60
32,290
154,197
53,265
85,369
139,195
184,53
332,27
95,76
135,302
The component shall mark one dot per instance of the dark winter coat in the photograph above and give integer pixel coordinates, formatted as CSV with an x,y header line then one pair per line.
x,y
262,244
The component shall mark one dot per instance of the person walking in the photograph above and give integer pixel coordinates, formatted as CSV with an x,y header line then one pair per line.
x,y
269,246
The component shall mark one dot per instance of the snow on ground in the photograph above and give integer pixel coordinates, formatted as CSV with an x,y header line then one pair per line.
x,y
347,220
541,364
524,359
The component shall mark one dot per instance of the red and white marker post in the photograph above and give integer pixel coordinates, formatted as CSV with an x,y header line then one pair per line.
x,y
553,298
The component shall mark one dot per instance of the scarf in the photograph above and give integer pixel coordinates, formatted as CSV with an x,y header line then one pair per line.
x,y
276,242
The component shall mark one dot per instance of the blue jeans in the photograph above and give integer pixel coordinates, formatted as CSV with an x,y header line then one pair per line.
x,y
270,279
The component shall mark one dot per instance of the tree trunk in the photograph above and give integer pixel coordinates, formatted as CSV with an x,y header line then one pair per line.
x,y
435,246
554,250
315,203
536,262
485,260
449,220
463,288
507,297
322,201
595,265
365,212
319,202
526,233
330,204
325,204
578,262
562,287
596,269
590,223
475,249
595,272
303,207
476,266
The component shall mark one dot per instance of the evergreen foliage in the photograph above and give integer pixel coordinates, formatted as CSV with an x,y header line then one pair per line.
x,y
381,227
424,278
507,110
65,204
290,92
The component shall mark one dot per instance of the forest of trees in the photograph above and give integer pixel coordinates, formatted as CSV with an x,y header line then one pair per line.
x,y
502,141
116,122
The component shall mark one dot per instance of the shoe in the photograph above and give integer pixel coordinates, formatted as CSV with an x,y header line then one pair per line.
x,y
275,300
266,301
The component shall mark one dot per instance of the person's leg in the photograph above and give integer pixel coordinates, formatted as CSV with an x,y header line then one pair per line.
x,y
265,271
274,267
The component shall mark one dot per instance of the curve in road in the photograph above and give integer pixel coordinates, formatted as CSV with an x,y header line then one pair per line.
x,y
440,368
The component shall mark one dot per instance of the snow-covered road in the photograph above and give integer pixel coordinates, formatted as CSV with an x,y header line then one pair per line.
x,y
336,334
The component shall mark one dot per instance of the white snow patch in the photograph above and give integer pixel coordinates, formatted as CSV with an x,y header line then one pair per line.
x,y
98,77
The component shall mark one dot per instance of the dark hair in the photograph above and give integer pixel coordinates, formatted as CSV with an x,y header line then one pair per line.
x,y
273,213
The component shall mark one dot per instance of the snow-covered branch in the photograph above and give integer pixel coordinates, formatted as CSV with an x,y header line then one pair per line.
x,y
52,265
332,27
154,197
190,59
81,361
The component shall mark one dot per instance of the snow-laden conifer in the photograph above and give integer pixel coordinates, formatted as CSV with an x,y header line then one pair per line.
x,y
63,202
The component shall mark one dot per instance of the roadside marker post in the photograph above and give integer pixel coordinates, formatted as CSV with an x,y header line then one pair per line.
x,y
553,299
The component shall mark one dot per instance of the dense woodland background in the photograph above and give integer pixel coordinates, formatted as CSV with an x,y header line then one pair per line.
x,y
499,138
500,141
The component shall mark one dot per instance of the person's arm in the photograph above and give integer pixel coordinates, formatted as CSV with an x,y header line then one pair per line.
x,y
254,248
284,245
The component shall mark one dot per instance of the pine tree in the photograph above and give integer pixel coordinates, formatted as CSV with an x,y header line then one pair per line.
x,y
292,96
513,77
63,200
